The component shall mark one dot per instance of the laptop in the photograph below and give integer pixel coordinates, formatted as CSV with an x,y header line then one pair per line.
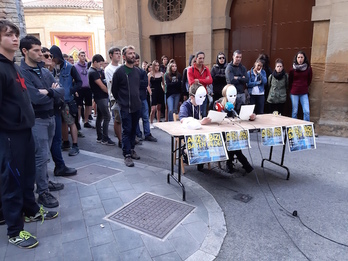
x,y
246,111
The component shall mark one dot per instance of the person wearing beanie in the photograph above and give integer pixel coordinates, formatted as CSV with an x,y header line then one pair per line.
x,y
68,77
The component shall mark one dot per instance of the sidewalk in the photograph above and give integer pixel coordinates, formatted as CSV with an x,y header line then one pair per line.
x,y
81,233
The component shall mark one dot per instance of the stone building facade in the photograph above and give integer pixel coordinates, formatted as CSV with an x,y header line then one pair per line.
x,y
206,26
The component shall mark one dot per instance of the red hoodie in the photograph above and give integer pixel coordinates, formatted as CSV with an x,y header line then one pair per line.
x,y
299,81
204,76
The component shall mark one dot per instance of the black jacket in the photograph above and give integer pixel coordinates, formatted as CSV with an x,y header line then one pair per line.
x,y
174,85
16,112
143,84
219,78
125,89
239,71
43,105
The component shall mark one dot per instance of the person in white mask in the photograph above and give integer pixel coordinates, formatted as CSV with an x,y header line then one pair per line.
x,y
229,96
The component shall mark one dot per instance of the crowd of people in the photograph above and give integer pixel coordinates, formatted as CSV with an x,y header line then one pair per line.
x,y
49,95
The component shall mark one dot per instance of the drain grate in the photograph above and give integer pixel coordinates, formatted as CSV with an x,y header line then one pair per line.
x,y
93,173
243,197
152,214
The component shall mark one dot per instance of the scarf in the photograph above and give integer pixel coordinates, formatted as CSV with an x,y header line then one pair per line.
x,y
277,75
300,67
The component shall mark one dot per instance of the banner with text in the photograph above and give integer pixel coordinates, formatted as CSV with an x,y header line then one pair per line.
x,y
301,137
237,140
272,136
202,148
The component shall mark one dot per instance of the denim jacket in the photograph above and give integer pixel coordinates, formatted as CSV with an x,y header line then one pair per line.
x,y
260,81
66,80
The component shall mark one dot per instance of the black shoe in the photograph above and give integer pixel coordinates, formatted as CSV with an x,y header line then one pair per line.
x,y
64,171
137,141
200,167
90,118
24,240
41,216
74,151
120,144
47,200
66,145
80,134
52,186
108,142
87,125
2,219
230,169
150,138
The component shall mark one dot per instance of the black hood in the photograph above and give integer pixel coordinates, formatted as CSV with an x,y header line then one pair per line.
x,y
56,53
217,60
190,59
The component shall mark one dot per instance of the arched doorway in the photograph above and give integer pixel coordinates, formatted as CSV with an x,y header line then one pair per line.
x,y
278,28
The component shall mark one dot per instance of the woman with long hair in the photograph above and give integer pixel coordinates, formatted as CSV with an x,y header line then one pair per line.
x,y
300,77
156,91
278,84
173,84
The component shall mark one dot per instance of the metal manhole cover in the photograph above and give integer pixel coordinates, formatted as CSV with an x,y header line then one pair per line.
x,y
243,197
93,173
152,214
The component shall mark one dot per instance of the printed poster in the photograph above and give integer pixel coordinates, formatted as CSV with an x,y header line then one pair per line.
x,y
272,136
237,140
301,137
203,148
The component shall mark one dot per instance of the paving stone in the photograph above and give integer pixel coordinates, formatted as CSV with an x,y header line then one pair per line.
x,y
136,254
94,216
111,205
90,202
185,246
15,253
73,230
77,250
156,247
86,191
198,230
135,178
100,235
49,247
122,185
128,195
107,193
127,239
68,214
105,252
172,256
49,228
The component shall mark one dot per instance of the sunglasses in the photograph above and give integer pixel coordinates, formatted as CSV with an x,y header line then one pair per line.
x,y
48,55
221,58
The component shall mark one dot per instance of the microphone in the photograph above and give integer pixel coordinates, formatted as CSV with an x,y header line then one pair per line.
x,y
219,107
230,107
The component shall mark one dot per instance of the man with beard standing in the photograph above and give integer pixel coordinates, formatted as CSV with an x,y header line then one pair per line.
x,y
125,88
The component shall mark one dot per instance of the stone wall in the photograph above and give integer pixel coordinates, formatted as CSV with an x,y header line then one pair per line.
x,y
13,10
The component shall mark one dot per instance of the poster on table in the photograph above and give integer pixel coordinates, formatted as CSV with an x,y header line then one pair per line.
x,y
272,136
301,137
203,148
237,140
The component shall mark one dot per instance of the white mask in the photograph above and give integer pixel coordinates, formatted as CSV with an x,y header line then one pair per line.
x,y
200,95
231,94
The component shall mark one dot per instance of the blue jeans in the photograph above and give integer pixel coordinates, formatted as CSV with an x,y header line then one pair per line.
x,y
303,98
56,150
129,125
144,115
102,115
259,101
43,132
173,104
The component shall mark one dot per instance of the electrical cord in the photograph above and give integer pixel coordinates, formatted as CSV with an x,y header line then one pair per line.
x,y
269,205
294,213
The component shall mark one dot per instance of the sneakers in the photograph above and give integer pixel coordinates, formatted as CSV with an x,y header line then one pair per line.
x,y
24,240
128,161
151,126
230,168
134,155
64,171
90,117
99,140
66,145
137,141
120,144
41,215
47,200
200,167
87,125
55,186
80,134
74,151
108,142
150,138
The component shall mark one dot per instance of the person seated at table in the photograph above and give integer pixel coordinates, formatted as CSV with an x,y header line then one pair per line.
x,y
229,95
191,108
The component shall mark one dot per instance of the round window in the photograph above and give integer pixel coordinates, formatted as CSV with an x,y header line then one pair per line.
x,y
167,10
